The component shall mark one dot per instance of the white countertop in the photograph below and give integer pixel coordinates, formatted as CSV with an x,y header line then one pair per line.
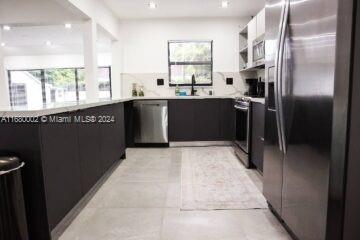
x,y
74,106
258,100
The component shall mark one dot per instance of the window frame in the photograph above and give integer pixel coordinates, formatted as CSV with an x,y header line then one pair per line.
x,y
12,97
198,63
109,67
43,70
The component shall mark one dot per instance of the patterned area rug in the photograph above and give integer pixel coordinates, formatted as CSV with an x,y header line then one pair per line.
x,y
213,178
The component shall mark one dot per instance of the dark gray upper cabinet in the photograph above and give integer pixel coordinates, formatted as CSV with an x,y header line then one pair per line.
x,y
62,175
257,135
201,120
181,123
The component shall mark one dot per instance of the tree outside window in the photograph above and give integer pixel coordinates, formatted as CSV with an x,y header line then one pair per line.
x,y
188,58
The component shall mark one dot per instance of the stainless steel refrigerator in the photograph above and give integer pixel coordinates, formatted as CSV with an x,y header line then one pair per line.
x,y
300,64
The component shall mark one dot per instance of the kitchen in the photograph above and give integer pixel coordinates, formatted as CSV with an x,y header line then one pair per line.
x,y
179,120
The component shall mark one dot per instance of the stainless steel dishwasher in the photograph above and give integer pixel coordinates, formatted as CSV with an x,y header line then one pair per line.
x,y
151,121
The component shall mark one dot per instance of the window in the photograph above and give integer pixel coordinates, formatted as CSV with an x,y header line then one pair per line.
x,y
188,58
26,88
34,88
60,85
18,91
81,84
104,78
104,82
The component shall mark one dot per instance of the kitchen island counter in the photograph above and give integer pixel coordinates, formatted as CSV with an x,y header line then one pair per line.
x,y
75,106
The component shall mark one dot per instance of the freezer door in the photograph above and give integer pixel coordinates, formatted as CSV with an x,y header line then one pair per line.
x,y
273,156
307,103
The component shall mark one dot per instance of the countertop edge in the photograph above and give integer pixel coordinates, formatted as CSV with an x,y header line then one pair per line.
x,y
84,105
258,100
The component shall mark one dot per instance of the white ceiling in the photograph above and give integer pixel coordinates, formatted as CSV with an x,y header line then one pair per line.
x,y
30,40
21,12
138,9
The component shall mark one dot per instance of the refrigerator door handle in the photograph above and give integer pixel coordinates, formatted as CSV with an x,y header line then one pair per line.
x,y
276,78
280,70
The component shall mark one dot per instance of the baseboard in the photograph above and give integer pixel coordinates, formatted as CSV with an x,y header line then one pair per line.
x,y
152,145
292,235
201,143
70,217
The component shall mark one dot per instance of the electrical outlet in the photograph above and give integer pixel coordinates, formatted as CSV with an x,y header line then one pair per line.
x,y
229,81
160,82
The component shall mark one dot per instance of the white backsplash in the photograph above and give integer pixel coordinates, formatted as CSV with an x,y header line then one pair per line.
x,y
151,89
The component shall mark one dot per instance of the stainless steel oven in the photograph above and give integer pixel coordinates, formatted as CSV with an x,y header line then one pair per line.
x,y
243,127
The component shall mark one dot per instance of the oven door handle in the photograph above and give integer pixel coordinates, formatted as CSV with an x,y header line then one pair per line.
x,y
242,108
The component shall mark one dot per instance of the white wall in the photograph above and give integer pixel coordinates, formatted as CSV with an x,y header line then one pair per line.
x,y
141,54
52,61
145,42
117,63
99,12
145,52
4,87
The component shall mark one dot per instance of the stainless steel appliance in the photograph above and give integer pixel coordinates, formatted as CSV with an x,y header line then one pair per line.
x,y
259,51
300,64
260,89
252,84
243,128
151,121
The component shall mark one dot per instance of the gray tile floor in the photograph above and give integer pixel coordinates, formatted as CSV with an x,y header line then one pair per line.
x,y
141,201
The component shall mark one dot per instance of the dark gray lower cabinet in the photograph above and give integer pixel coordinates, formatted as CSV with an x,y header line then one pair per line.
x,y
201,120
23,141
63,161
112,136
257,135
75,156
227,120
119,113
207,120
181,120
129,123
61,166
89,151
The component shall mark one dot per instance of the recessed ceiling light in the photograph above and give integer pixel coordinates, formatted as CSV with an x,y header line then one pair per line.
x,y
3,44
48,43
152,5
225,4
68,25
6,27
